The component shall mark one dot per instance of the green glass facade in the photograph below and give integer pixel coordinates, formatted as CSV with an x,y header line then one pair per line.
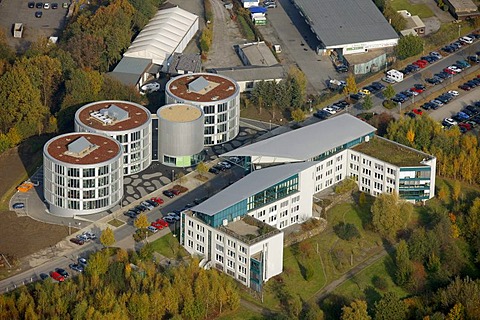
x,y
338,149
415,188
274,193
256,274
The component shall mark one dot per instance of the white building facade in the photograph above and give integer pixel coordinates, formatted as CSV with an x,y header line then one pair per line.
x,y
127,122
83,174
219,98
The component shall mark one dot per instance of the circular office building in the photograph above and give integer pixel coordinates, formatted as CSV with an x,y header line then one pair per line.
x,y
82,173
128,122
180,139
219,98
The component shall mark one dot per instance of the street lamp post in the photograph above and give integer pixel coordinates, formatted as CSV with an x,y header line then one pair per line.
x,y
400,106
459,27
270,121
173,175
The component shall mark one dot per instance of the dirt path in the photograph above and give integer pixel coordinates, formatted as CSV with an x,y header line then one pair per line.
x,y
225,35
325,291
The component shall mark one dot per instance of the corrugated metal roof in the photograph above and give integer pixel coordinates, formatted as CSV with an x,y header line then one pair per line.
x,y
79,145
343,22
162,35
248,186
129,70
310,141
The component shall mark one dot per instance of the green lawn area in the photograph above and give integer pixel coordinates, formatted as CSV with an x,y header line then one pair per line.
x,y
242,313
421,10
361,285
169,247
332,261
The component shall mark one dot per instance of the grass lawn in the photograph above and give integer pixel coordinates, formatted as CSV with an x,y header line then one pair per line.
x,y
334,256
169,247
421,10
242,313
361,285
116,223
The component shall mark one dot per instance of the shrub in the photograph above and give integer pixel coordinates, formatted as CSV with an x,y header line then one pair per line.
x,y
346,231
389,104
345,186
380,283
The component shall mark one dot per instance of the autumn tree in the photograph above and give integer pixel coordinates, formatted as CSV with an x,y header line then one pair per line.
x,y
202,168
456,190
107,238
390,307
141,222
351,86
298,115
357,310
390,214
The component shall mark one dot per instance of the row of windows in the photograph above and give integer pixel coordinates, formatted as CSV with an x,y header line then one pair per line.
x,y
86,205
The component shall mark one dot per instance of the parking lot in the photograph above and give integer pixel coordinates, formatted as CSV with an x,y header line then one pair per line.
x,y
288,28
14,11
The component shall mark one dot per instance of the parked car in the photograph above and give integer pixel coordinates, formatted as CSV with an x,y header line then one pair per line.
x,y
453,93
168,193
464,87
90,235
18,205
31,5
162,222
234,159
44,276
169,219
38,14
39,5
54,6
449,122
77,241
62,272
225,164
417,111
82,261
152,229
175,191
76,267
46,6
158,200
57,276
147,205
213,170
173,215
436,54
330,110
150,87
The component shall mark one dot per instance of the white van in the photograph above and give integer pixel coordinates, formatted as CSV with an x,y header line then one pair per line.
x,y
466,40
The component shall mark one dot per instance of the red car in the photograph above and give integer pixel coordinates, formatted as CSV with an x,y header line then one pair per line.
x,y
418,90
421,63
156,225
418,111
57,276
450,71
162,222
467,126
175,191
157,200
464,87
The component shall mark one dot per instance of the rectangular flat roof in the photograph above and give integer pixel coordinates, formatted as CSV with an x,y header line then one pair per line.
x,y
310,141
343,22
392,152
251,184
251,73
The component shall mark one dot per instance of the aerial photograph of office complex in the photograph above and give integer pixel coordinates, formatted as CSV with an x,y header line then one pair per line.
x,y
243,159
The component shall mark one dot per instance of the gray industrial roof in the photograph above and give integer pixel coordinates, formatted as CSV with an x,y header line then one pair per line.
x,y
130,70
185,62
258,54
248,186
343,22
307,142
251,73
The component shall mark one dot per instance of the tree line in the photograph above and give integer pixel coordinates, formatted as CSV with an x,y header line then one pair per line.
x,y
44,86
126,285
457,154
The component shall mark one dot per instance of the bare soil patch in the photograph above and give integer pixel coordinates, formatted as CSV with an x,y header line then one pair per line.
x,y
22,236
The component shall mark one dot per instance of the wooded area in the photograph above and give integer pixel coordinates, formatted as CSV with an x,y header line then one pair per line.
x,y
126,285
49,82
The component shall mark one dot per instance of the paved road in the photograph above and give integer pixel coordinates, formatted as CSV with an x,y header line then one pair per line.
x,y
425,73
65,252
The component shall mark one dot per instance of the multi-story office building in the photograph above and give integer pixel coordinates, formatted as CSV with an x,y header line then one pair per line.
x,y
128,122
217,95
296,166
180,139
345,146
83,173
237,230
